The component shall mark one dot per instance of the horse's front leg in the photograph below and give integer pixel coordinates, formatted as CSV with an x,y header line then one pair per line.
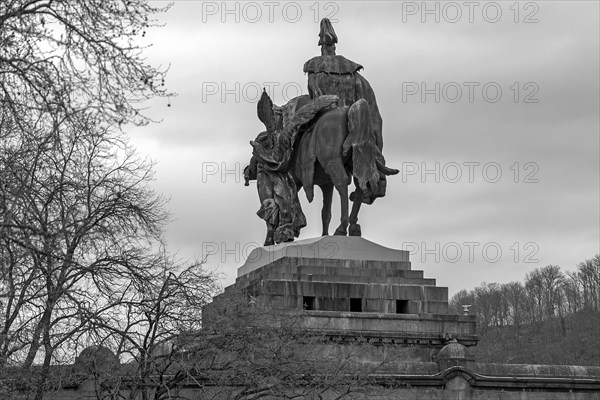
x,y
343,192
354,229
326,210
340,180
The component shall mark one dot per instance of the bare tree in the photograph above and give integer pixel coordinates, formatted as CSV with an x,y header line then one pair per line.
x,y
514,293
152,332
571,288
80,226
534,285
60,56
588,274
552,278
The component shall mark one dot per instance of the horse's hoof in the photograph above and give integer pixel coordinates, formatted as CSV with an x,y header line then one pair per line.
x,y
354,230
340,232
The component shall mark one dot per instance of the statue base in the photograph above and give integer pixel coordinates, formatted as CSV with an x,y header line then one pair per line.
x,y
349,289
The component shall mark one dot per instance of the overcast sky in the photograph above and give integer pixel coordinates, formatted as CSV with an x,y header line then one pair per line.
x,y
490,110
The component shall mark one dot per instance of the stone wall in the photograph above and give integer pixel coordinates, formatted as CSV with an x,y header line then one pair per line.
x,y
424,381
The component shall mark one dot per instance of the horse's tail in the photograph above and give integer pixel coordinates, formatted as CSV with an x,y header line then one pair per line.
x,y
361,140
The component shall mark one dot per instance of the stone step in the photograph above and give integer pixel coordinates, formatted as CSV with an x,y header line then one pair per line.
x,y
340,263
335,268
365,279
355,290
383,272
348,278
361,264
367,305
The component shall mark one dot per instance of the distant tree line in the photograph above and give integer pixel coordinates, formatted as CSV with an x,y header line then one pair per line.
x,y
549,308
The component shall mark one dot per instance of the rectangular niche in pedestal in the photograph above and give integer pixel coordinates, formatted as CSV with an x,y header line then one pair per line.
x,y
308,303
355,305
402,307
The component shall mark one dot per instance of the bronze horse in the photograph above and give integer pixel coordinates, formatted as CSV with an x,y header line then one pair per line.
x,y
334,148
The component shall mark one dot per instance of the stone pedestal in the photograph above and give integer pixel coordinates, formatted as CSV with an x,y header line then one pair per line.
x,y
352,289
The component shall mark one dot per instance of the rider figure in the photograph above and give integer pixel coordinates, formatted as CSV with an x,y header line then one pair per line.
x,y
331,74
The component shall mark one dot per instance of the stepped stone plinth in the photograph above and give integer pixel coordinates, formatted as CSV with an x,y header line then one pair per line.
x,y
350,288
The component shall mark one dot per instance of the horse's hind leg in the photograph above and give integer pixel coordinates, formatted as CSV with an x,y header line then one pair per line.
x,y
327,190
354,229
343,192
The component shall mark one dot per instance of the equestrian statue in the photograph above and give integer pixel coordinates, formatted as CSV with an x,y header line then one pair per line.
x,y
331,138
